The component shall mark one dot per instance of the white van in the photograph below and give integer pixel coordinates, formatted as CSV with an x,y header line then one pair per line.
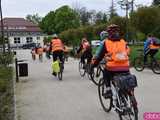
x,y
95,43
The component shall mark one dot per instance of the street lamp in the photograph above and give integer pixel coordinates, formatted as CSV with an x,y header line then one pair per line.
x,y
2,28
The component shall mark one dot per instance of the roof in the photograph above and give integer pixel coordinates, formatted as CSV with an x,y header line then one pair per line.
x,y
20,24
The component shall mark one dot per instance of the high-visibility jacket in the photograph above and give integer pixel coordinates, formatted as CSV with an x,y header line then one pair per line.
x,y
152,46
118,53
56,45
40,51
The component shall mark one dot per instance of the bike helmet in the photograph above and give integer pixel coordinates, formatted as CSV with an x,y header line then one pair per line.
x,y
55,36
113,31
103,35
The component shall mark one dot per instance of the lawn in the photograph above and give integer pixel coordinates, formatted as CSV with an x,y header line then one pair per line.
x,y
133,52
6,93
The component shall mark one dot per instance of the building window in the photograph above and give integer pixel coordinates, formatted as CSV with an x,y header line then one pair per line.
x,y
29,39
38,38
17,40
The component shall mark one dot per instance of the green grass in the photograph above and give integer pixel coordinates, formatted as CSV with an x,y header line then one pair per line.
x,y
6,93
5,78
133,52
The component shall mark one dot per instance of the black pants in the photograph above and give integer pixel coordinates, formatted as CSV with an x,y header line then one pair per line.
x,y
151,52
58,54
86,55
108,75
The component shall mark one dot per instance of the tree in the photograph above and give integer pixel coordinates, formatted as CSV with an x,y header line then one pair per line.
x,y
66,18
112,10
156,2
36,19
121,21
100,18
146,19
84,16
47,24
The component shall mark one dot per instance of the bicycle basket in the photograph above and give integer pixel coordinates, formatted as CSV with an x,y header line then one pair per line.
x,y
125,82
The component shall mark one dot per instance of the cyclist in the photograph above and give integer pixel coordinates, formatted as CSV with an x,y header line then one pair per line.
x,y
57,48
115,51
86,50
150,47
66,53
103,35
40,52
33,52
47,50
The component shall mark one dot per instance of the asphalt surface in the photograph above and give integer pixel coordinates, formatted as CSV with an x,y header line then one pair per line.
x,y
41,96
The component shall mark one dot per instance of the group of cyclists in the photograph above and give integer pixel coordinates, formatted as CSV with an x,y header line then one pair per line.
x,y
113,49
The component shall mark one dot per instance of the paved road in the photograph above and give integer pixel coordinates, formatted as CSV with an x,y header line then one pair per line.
x,y
42,97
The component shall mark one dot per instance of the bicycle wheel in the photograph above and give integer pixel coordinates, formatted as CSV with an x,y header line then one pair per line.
x,y
139,64
81,69
40,58
96,75
128,113
155,66
61,72
106,103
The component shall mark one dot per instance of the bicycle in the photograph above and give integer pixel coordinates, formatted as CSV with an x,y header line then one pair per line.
x,y
123,100
97,72
84,68
152,63
60,73
40,57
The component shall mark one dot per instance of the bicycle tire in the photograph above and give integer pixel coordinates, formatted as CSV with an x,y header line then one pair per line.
x,y
139,64
40,58
60,74
130,113
100,93
95,76
81,69
155,66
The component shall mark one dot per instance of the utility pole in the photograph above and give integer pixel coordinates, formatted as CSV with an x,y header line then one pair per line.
x,y
8,41
2,28
127,8
132,6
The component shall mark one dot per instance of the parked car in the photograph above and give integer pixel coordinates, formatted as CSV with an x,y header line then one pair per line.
x,y
29,45
95,43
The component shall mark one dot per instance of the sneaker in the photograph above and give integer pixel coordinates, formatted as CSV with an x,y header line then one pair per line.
x,y
55,74
107,94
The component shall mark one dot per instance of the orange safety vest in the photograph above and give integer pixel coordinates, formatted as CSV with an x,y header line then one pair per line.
x,y
151,46
40,51
57,45
118,52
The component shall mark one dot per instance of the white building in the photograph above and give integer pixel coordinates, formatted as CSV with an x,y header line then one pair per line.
x,y
21,31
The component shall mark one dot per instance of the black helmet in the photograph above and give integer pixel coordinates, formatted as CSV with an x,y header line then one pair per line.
x,y
114,32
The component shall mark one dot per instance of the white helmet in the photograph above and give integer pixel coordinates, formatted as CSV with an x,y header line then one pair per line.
x,y
55,36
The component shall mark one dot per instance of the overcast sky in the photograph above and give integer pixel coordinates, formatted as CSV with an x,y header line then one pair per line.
x,y
20,8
